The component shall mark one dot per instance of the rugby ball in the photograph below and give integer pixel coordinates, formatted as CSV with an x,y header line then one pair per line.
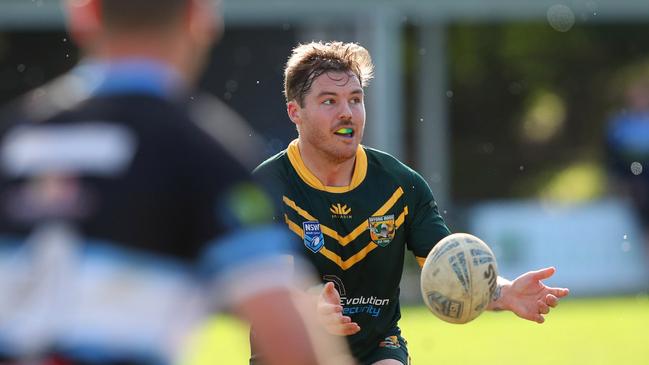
x,y
458,278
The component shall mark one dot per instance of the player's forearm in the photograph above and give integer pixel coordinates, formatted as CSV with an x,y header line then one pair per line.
x,y
499,299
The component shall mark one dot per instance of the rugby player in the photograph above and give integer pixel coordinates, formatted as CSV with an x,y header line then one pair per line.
x,y
356,210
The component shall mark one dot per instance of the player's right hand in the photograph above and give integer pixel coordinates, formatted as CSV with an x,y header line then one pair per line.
x,y
330,313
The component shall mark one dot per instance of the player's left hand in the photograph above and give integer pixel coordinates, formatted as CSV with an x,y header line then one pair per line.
x,y
529,298
330,313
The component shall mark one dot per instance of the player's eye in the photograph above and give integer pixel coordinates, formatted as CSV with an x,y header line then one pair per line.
x,y
356,101
329,102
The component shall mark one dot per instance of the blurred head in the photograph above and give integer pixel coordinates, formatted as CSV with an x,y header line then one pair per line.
x,y
135,15
323,85
180,32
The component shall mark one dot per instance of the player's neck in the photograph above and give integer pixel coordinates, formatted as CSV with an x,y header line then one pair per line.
x,y
329,172
167,51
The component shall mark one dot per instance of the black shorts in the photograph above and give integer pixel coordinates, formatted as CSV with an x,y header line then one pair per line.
x,y
392,347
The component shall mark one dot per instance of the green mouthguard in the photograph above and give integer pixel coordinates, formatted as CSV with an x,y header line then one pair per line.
x,y
344,130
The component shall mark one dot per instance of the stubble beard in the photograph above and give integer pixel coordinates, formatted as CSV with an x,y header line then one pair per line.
x,y
340,155
330,150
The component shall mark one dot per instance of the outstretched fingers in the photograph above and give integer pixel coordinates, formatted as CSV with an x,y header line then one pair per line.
x,y
559,292
543,307
348,328
330,313
551,300
543,274
341,325
328,309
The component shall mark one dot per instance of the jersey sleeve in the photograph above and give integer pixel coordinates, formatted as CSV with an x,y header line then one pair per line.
x,y
254,254
426,227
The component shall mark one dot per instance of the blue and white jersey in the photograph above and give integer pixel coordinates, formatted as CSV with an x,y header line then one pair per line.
x,y
122,223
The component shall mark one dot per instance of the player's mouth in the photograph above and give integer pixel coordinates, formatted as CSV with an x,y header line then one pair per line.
x,y
345,132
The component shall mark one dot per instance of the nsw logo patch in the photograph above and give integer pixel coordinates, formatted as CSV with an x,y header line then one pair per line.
x,y
313,238
382,229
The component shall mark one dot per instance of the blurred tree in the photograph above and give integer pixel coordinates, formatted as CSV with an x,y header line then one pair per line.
x,y
529,102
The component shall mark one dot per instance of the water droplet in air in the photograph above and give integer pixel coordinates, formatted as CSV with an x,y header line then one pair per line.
x,y
636,168
561,18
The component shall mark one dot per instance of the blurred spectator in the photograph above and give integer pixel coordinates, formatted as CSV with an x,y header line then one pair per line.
x,y
122,222
627,142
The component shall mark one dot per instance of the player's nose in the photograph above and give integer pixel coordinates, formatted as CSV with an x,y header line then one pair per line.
x,y
345,112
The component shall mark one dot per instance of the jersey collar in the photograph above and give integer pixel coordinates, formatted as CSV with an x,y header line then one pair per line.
x,y
130,75
360,170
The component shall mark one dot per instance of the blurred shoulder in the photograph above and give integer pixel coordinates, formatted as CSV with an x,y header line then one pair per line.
x,y
276,165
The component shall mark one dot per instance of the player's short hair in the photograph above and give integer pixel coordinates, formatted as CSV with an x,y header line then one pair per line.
x,y
142,14
308,61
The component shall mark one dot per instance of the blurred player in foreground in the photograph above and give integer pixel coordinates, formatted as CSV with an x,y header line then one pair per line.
x,y
121,221
355,209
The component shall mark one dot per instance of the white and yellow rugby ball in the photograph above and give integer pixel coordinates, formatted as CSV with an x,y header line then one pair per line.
x,y
459,278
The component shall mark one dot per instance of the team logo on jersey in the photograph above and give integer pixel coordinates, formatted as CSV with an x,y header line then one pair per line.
x,y
382,229
313,238
391,342
340,211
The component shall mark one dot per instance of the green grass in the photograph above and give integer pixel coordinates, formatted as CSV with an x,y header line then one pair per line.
x,y
581,331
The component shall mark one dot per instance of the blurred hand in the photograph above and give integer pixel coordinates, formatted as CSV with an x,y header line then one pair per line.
x,y
528,297
330,313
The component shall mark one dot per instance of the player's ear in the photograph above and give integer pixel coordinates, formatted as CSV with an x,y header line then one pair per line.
x,y
293,109
84,21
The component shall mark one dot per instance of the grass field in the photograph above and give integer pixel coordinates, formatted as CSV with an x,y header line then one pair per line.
x,y
594,331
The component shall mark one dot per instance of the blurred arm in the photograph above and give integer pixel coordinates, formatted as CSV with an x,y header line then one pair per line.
x,y
260,283
286,332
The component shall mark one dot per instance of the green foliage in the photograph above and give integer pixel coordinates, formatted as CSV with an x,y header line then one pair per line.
x,y
581,181
595,331
522,76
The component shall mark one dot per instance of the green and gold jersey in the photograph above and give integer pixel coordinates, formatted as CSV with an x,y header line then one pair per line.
x,y
356,236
